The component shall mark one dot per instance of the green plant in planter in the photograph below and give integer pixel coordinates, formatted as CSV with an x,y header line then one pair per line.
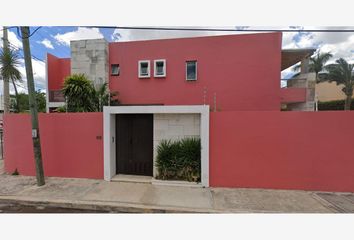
x,y
179,160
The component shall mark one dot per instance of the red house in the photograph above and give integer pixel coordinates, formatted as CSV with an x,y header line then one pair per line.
x,y
224,90
232,72
167,87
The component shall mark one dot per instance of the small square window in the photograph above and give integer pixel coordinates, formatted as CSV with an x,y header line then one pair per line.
x,y
115,70
160,68
144,69
191,70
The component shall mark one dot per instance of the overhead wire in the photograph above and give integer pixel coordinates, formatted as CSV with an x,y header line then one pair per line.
x,y
223,29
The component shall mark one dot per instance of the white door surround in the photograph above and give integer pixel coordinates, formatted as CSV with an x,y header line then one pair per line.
x,y
109,132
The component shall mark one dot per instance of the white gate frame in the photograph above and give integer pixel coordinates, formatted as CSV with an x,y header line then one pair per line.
x,y
109,132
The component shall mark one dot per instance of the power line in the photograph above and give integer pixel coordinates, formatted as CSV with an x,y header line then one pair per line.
x,y
34,32
6,28
18,49
30,35
223,29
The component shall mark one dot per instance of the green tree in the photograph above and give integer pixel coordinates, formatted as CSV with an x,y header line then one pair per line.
x,y
341,72
103,95
23,102
41,101
82,96
317,64
10,61
79,94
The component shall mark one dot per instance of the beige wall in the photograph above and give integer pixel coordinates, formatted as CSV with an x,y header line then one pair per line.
x,y
174,127
327,91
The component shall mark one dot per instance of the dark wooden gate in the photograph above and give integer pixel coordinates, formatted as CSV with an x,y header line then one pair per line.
x,y
134,134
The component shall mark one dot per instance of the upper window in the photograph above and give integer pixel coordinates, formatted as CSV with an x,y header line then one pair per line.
x,y
115,69
191,70
160,68
144,69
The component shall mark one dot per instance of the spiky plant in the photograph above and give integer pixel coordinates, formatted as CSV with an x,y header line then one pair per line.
x,y
10,62
79,93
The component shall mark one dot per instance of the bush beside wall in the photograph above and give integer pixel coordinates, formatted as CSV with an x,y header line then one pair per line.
x,y
333,105
179,160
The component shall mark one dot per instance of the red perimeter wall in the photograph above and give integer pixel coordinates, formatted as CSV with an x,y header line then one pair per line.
x,y
282,150
72,144
258,149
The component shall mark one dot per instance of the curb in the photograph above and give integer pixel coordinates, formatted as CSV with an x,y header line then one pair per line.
x,y
109,207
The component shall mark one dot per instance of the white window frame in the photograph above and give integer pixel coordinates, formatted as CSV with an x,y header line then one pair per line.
x,y
164,67
196,70
139,68
115,74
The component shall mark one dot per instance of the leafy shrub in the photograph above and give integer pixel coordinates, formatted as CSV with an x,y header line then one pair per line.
x,y
83,96
333,105
179,160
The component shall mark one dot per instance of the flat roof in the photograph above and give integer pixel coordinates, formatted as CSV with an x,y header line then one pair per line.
x,y
289,57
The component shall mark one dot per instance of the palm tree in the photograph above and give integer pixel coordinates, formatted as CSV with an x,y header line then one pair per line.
x,y
10,61
341,72
79,93
317,63
102,95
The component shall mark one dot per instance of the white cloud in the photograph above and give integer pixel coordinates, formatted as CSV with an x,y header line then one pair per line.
x,y
116,35
38,75
47,43
80,33
12,39
340,44
136,35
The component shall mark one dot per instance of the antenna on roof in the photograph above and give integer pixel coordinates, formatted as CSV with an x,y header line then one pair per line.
x,y
204,95
214,101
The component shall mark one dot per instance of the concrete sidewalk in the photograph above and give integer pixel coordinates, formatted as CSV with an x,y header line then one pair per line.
x,y
144,197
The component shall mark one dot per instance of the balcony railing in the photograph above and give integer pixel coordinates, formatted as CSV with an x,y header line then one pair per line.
x,y
56,96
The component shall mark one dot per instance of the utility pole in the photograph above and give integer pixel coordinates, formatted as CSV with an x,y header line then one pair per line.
x,y
6,95
33,106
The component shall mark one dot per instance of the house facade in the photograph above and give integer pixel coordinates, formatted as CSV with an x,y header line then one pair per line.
x,y
168,87
232,72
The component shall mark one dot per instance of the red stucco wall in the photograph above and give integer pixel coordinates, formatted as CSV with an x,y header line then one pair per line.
x,y
243,71
58,69
72,144
282,150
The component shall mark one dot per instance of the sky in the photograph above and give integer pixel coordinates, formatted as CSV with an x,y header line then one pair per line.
x,y
56,41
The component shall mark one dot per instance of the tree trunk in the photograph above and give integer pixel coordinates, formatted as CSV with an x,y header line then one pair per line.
x,y
317,81
16,94
6,100
348,102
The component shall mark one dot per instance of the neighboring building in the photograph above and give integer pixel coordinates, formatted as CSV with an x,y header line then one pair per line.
x,y
329,91
232,72
12,103
300,89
